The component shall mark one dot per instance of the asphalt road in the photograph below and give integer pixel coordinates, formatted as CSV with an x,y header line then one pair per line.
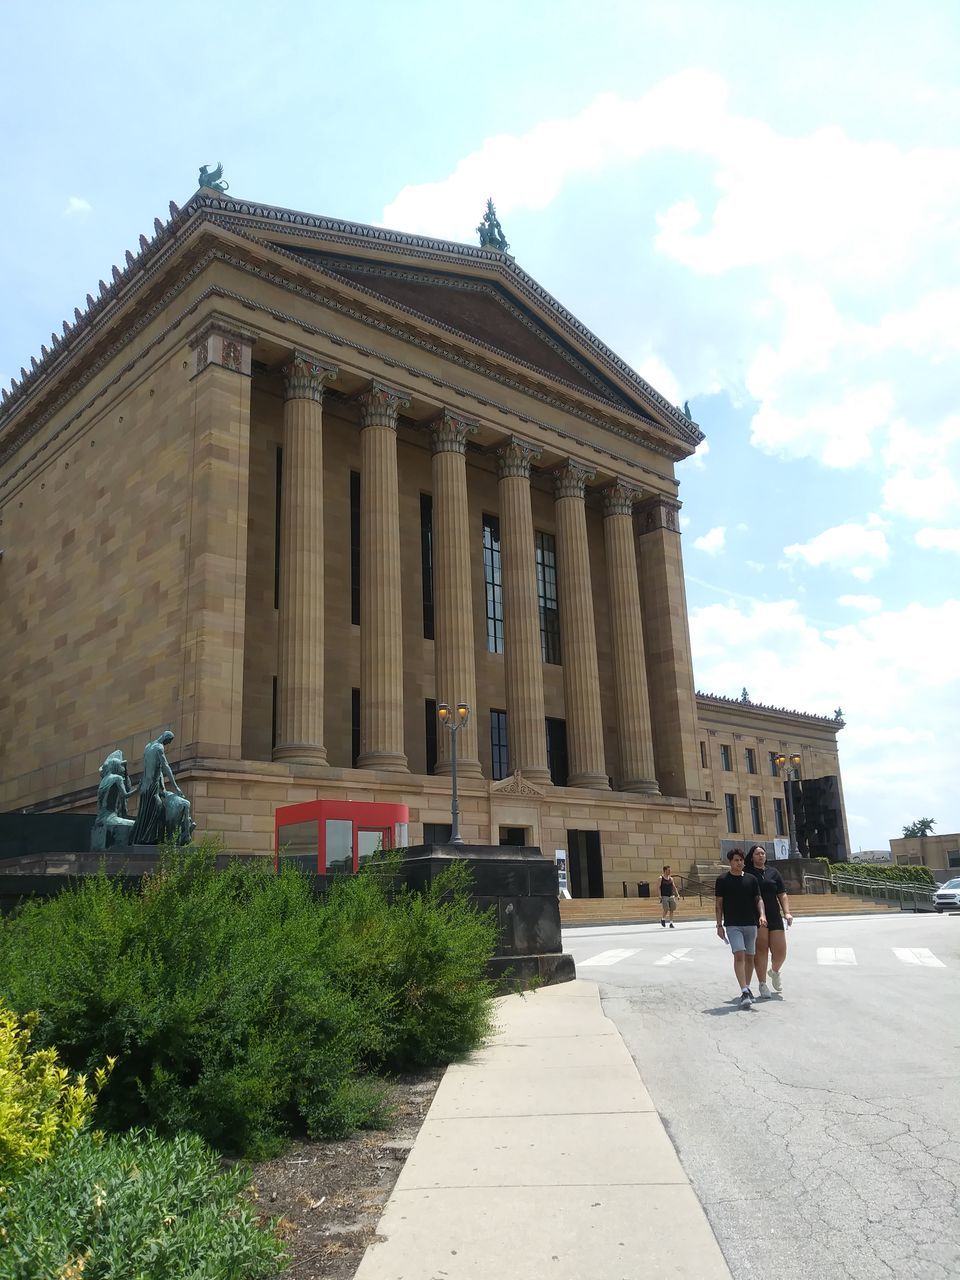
x,y
821,1131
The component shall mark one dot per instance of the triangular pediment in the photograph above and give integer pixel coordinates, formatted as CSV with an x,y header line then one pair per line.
x,y
480,310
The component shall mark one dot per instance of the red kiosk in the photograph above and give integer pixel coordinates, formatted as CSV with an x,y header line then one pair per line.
x,y
336,837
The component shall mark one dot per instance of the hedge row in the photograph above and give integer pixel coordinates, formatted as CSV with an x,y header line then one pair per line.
x,y
241,1008
922,876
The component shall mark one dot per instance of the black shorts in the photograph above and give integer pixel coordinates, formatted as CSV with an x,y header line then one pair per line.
x,y
776,926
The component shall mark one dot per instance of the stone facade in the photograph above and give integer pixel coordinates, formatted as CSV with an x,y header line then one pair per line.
x,y
938,852
179,520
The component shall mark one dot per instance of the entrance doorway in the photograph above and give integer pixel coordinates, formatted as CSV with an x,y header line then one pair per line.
x,y
585,864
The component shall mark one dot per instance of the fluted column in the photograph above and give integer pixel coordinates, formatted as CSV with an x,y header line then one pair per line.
x,y
637,767
381,622
454,649
523,665
578,633
300,634
663,602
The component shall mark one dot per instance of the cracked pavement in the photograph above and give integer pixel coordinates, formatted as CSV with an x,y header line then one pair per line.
x,y
821,1132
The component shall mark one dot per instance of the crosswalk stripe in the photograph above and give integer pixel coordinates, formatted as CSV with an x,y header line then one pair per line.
x,y
609,957
679,954
918,955
836,955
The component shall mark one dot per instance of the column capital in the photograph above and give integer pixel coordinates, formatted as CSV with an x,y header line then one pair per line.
x,y
219,342
380,405
619,498
570,479
449,431
304,377
658,512
514,458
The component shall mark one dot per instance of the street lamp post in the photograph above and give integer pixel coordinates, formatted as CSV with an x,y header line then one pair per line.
x,y
789,767
454,718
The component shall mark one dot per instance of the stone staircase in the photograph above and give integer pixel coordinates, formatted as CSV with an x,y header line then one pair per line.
x,y
586,911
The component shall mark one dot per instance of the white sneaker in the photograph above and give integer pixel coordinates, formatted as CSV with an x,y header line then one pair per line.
x,y
776,980
764,991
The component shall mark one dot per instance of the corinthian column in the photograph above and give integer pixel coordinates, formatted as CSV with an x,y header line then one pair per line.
x,y
637,767
578,634
523,664
300,637
456,677
381,623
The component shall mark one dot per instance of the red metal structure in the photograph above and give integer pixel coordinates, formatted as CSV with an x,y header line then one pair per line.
x,y
336,837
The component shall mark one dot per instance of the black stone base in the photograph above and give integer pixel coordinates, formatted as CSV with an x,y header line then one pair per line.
x,y
520,884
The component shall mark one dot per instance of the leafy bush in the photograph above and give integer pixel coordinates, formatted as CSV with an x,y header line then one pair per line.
x,y
922,876
240,1007
134,1207
41,1104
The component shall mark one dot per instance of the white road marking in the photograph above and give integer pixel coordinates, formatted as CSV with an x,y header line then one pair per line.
x,y
918,955
608,957
679,954
836,955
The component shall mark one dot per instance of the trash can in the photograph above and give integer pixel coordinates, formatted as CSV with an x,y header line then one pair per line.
x,y
643,888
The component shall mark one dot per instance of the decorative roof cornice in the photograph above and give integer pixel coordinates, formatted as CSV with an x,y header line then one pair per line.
x,y
834,722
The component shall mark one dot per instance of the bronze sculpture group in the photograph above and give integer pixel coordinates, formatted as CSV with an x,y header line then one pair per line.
x,y
163,812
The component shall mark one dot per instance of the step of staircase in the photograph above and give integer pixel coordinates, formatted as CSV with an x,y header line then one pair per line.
x,y
586,911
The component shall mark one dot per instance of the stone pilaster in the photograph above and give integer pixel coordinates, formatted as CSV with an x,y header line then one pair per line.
x,y
523,665
673,709
637,766
211,704
381,622
300,647
578,633
454,648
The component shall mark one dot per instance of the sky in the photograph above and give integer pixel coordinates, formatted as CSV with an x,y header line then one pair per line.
x,y
754,203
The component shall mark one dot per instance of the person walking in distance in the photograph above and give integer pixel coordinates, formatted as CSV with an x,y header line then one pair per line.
x,y
668,898
772,940
739,914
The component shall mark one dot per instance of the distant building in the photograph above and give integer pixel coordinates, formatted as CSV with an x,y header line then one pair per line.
x,y
936,852
288,482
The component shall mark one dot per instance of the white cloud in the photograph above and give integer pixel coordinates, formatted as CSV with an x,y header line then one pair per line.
x,y
787,660
698,458
656,372
712,542
76,205
939,539
866,604
856,548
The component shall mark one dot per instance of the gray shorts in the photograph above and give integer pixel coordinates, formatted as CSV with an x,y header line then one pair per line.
x,y
742,937
668,904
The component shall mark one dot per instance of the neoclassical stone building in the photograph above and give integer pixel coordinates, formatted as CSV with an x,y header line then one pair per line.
x,y
286,483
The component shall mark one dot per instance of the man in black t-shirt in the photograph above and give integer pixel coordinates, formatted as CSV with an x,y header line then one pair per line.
x,y
739,913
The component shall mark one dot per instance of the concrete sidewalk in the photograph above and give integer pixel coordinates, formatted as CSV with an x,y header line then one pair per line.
x,y
543,1155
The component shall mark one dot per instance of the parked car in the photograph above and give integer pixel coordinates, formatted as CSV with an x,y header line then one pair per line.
x,y
947,897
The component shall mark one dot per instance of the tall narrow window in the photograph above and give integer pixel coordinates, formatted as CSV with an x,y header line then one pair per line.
x,y
277,533
426,563
493,583
354,727
726,761
273,717
703,754
499,751
557,751
355,548
546,552
774,771
778,817
756,816
750,759
730,804
430,732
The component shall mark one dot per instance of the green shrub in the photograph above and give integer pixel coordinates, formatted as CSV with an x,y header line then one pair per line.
x,y
921,876
41,1103
239,1006
134,1207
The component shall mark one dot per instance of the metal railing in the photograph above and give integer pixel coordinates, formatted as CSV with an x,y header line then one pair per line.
x,y
909,897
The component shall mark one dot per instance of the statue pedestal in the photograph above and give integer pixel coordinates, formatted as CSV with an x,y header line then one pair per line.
x,y
521,885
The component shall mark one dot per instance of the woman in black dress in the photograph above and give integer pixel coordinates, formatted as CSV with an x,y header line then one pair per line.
x,y
771,941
